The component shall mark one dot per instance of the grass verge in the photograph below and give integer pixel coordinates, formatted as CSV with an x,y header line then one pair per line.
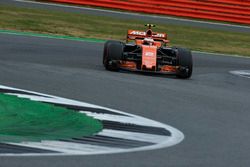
x,y
101,27
25,120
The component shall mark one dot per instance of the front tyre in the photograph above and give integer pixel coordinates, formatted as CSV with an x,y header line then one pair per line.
x,y
112,55
185,63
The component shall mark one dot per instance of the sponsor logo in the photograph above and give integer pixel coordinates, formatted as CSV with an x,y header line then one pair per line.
x,y
138,33
150,54
158,35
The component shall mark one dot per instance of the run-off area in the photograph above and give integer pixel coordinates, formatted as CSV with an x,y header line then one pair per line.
x,y
40,124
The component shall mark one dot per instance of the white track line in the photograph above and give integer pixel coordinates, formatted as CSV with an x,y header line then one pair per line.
x,y
68,147
133,136
220,54
242,73
122,119
72,148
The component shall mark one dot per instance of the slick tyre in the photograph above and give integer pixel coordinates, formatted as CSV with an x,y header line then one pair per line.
x,y
185,63
112,55
105,49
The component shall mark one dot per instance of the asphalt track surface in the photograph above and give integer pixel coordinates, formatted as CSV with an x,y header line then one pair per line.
x,y
211,109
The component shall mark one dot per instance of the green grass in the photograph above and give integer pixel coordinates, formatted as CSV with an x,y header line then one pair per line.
x,y
25,120
101,27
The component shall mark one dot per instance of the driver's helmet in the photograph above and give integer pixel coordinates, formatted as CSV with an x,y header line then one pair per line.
x,y
148,41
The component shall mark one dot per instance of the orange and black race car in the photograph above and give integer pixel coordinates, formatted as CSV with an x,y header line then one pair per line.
x,y
148,52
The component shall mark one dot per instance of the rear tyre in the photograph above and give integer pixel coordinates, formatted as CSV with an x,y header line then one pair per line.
x,y
112,55
185,63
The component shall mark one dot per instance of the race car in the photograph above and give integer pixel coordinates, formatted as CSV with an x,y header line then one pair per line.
x,y
147,51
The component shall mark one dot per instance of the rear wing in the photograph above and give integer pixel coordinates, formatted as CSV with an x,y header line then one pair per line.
x,y
135,34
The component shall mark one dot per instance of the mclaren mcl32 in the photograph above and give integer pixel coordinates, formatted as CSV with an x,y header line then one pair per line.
x,y
147,51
